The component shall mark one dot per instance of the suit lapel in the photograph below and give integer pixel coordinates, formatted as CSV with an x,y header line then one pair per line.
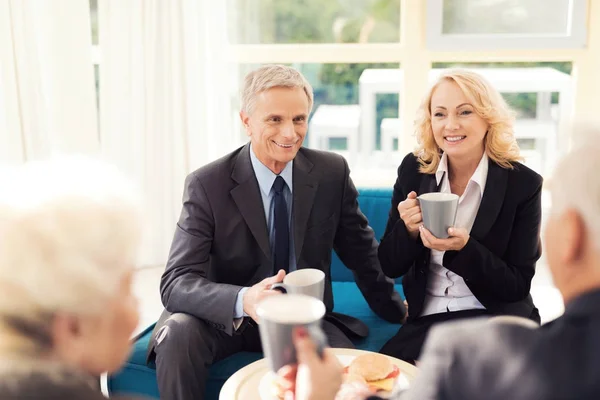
x,y
246,196
491,203
305,188
428,184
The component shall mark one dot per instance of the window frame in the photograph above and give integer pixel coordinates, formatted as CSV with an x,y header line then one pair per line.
x,y
416,58
576,38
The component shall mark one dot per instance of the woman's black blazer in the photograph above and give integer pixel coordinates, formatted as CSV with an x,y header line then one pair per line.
x,y
498,261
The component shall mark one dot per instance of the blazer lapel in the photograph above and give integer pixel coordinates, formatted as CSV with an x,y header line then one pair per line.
x,y
305,188
491,203
428,184
249,201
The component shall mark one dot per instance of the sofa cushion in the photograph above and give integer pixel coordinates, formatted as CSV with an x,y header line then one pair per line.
x,y
354,304
137,378
375,205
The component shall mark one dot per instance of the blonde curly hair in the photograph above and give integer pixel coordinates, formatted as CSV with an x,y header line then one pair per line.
x,y
500,142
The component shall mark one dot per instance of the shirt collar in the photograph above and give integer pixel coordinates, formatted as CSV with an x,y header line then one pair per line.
x,y
442,169
266,177
479,176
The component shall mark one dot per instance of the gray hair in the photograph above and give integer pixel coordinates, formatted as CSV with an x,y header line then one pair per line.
x,y
270,76
575,183
69,232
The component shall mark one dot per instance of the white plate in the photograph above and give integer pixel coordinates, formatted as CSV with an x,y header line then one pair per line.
x,y
266,386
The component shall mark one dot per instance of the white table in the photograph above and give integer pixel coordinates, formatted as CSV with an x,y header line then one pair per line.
x,y
542,81
244,383
544,130
335,121
391,129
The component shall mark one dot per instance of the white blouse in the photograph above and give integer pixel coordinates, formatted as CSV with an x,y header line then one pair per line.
x,y
447,291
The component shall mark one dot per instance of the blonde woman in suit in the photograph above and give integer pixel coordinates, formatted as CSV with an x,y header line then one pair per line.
x,y
466,147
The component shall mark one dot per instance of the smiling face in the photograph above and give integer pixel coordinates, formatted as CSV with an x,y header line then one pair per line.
x,y
457,129
277,125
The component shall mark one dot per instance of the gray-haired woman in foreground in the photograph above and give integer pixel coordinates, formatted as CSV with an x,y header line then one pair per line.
x,y
68,240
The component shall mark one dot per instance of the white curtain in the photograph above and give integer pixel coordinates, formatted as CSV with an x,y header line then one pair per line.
x,y
166,100
47,93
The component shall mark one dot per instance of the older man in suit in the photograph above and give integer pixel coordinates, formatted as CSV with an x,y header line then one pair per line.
x,y
268,208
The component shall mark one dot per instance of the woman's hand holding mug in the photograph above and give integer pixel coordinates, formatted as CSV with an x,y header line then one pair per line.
x,y
410,213
457,239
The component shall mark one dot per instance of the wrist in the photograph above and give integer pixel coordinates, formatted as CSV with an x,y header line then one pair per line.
x,y
244,301
465,243
245,305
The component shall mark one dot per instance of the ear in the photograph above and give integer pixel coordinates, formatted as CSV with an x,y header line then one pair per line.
x,y
66,334
65,328
574,237
245,118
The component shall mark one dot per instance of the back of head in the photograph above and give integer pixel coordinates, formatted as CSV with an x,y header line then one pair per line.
x,y
572,232
68,234
576,183
271,76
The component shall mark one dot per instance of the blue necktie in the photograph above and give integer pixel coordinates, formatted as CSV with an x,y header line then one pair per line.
x,y
281,253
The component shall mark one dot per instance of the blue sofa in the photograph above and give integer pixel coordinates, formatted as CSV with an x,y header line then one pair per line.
x,y
138,378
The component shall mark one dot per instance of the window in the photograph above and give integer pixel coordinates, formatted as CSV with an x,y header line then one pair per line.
x,y
94,21
315,21
509,24
351,52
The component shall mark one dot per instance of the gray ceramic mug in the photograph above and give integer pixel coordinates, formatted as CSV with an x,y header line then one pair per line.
x,y
439,212
308,281
278,315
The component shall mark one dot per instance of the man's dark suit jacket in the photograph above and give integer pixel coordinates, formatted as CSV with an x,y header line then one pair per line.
x,y
221,242
498,261
476,360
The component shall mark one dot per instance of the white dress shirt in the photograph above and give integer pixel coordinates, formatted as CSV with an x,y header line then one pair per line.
x,y
447,291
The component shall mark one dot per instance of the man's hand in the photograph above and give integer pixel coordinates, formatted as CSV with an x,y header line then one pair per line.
x,y
410,212
457,240
261,290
